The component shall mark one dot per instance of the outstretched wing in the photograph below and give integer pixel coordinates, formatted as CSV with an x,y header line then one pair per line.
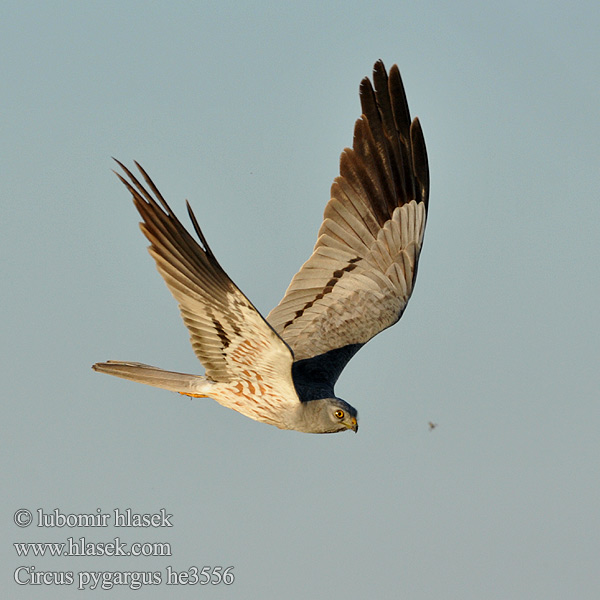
x,y
362,271
228,334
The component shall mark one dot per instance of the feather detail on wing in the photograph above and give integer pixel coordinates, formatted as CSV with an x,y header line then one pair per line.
x,y
228,334
362,271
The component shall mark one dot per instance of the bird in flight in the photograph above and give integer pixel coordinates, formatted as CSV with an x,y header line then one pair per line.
x,y
282,370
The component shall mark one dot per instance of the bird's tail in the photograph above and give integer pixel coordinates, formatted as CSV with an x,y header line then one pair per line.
x,y
190,385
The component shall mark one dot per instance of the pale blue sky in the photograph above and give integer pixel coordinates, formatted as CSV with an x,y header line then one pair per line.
x,y
244,110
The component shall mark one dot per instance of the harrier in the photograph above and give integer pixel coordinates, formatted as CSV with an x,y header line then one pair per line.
x,y
282,370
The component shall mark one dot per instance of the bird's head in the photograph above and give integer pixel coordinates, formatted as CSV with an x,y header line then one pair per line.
x,y
329,415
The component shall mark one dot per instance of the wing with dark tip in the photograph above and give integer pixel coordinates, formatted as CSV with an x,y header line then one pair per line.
x,y
228,334
362,271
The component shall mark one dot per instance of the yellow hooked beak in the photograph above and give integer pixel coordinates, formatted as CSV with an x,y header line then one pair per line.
x,y
352,424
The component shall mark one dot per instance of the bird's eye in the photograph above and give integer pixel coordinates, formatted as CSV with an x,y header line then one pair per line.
x,y
339,414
